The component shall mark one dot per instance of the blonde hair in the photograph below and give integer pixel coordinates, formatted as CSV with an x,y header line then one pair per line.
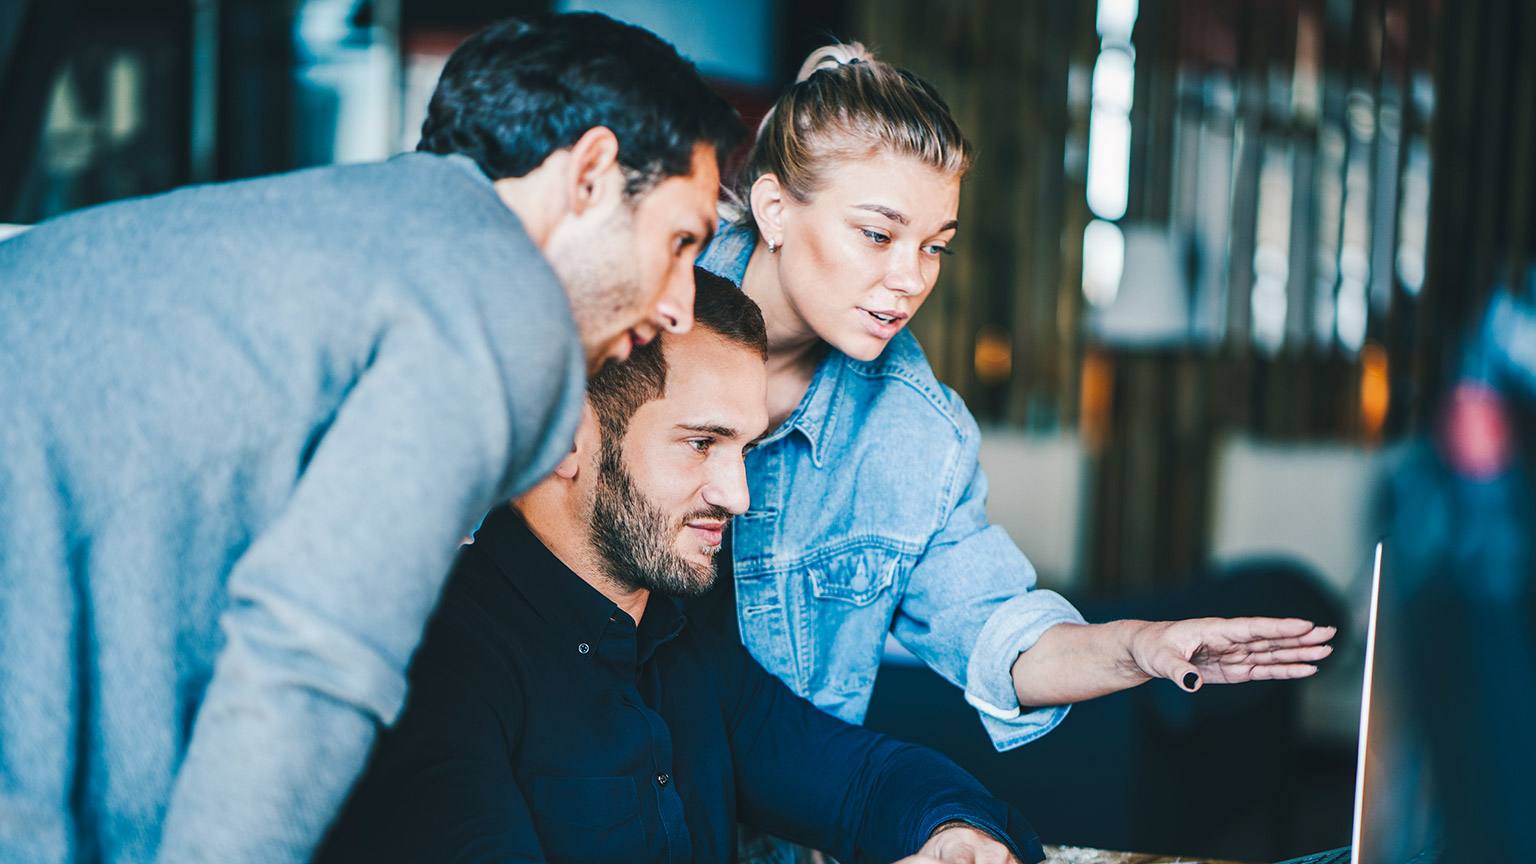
x,y
845,104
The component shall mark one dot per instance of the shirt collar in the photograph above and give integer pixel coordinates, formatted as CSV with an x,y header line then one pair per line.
x,y
560,597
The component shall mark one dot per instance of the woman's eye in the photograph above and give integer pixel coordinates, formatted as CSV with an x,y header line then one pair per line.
x,y
940,250
875,236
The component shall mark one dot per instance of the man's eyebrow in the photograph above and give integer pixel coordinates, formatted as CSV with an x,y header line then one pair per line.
x,y
710,429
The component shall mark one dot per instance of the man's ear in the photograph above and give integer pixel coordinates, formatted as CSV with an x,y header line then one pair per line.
x,y
588,439
592,175
767,199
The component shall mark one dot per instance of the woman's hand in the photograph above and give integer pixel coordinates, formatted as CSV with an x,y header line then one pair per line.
x,y
1074,662
961,843
1229,650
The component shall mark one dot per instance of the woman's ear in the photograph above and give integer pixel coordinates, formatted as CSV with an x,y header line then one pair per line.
x,y
767,200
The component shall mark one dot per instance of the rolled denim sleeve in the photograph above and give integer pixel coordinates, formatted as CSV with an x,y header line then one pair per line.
x,y
971,607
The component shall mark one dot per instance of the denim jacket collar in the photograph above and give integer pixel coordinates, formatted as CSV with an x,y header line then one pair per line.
x,y
816,414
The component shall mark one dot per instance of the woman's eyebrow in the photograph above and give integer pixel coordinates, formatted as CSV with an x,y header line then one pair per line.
x,y
900,218
893,215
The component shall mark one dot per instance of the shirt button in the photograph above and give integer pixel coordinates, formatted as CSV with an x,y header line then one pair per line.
x,y
583,648
663,779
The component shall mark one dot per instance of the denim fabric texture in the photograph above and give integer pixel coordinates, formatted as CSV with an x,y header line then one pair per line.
x,y
869,514
243,429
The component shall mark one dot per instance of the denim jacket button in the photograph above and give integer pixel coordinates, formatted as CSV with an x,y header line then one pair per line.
x,y
859,583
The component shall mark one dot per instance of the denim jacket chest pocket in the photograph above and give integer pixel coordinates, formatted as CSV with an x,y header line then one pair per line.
x,y
854,593
856,576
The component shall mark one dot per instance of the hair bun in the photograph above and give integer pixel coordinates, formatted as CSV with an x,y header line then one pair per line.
x,y
833,56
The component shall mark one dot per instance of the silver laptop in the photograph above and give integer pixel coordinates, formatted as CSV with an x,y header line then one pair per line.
x,y
1394,818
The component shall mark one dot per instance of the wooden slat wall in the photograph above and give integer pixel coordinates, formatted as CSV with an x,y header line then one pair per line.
x,y
1017,74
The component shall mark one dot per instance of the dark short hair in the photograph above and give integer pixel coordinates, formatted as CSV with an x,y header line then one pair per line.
x,y
619,389
523,88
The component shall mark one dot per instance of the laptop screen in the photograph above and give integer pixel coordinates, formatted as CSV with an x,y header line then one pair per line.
x,y
1394,818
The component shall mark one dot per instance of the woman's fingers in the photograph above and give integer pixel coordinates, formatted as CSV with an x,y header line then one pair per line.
x,y
1309,654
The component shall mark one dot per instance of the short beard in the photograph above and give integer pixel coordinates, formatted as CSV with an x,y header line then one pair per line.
x,y
634,538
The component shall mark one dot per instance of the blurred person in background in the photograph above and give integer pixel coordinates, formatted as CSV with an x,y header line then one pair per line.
x,y
868,504
244,427
1462,549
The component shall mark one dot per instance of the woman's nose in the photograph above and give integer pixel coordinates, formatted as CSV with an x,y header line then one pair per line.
x,y
907,276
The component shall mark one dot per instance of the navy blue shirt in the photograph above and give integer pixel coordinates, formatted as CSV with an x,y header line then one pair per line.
x,y
544,725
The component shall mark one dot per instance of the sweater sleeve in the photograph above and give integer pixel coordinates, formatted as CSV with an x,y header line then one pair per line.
x,y
327,604
439,786
863,797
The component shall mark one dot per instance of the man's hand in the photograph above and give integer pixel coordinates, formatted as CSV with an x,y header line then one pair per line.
x,y
961,843
1229,650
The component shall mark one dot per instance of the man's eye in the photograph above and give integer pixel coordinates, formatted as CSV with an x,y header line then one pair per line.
x,y
700,445
683,242
876,236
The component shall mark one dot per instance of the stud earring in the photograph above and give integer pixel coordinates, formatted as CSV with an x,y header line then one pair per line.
x,y
772,247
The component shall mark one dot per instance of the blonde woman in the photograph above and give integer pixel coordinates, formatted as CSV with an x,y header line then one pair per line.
x,y
867,509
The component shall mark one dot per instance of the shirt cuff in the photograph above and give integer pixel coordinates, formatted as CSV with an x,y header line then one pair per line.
x,y
1012,630
1000,820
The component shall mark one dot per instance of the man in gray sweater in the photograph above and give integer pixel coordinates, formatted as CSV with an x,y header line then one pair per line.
x,y
243,428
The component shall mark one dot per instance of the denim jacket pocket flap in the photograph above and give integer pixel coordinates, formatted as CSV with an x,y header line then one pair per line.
x,y
587,802
857,576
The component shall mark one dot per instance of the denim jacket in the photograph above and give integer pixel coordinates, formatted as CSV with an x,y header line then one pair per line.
x,y
869,513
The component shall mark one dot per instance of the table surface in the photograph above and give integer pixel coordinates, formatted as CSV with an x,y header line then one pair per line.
x,y
1079,855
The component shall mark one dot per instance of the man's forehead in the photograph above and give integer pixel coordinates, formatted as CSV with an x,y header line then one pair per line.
x,y
706,178
707,372
688,199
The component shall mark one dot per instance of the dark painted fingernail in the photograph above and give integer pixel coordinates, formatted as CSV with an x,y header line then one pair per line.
x,y
1190,680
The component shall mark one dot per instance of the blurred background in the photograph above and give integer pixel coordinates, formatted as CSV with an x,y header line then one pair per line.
x,y
1218,263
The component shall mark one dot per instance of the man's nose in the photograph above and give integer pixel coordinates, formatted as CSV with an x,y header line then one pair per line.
x,y
674,308
728,488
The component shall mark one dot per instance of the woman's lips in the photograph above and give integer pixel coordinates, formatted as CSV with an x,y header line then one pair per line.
x,y
882,323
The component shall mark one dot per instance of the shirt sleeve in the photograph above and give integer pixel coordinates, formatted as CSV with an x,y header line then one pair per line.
x,y
816,780
327,604
970,607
